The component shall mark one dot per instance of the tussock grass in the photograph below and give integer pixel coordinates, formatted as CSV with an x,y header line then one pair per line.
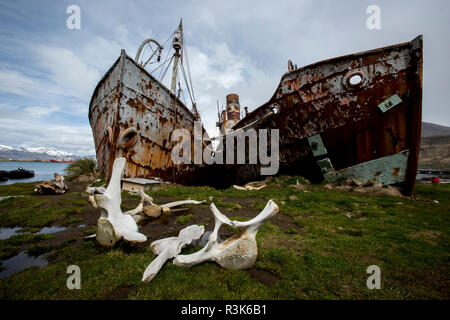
x,y
81,167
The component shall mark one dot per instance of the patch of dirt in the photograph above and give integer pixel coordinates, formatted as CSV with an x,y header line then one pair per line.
x,y
427,235
284,242
266,278
119,294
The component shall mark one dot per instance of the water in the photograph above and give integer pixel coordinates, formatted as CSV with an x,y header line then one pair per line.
x,y
6,233
428,177
42,170
47,230
21,262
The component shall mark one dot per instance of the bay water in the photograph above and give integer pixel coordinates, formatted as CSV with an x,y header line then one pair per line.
x,y
42,170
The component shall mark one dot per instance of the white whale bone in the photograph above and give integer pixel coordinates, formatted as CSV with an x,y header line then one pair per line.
x,y
238,251
113,225
169,248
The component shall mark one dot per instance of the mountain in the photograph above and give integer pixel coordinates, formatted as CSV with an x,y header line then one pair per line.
x,y
25,152
434,146
432,129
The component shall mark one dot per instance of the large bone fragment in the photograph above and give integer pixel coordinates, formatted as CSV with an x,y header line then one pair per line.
x,y
248,187
113,225
237,252
169,248
153,210
57,186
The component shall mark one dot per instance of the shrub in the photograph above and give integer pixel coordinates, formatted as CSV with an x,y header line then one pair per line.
x,y
85,167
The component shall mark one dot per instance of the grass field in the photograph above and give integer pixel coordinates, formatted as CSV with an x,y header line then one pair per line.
x,y
318,246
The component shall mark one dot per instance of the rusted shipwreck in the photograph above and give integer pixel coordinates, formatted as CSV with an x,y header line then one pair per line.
x,y
133,114
354,116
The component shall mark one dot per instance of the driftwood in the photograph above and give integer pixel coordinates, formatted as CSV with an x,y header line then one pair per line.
x,y
113,225
169,248
237,252
56,186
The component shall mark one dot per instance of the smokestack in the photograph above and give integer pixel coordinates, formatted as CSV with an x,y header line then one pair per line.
x,y
233,108
246,111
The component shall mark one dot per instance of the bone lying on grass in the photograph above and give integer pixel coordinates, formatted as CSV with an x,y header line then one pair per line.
x,y
109,201
169,248
113,225
56,186
237,252
248,187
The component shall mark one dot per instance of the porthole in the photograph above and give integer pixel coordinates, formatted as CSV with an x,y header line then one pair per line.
x,y
128,138
354,79
275,108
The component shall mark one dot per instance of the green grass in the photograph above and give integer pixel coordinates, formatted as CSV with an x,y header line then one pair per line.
x,y
72,221
17,189
10,247
35,211
38,249
183,219
320,254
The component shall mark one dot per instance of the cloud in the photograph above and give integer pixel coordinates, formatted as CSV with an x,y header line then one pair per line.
x,y
41,111
48,73
68,71
16,83
38,132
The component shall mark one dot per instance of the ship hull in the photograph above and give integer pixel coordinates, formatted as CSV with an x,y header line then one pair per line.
x,y
330,128
133,115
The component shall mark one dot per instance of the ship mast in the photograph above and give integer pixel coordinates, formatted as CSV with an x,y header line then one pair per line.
x,y
177,44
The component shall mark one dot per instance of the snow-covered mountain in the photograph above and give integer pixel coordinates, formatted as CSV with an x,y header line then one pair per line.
x,y
24,152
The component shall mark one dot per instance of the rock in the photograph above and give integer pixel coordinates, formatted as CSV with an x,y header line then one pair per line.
x,y
353,182
298,186
435,201
152,211
292,197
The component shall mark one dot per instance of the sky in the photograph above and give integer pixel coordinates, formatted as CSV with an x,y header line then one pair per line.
x,y
48,72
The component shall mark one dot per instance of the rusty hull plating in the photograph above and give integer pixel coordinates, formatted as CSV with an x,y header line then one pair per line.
x,y
133,115
359,113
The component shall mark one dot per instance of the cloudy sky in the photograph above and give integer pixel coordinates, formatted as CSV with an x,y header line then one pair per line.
x,y
48,72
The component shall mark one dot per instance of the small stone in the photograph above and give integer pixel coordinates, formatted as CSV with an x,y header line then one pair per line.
x,y
292,198
435,201
348,215
152,211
